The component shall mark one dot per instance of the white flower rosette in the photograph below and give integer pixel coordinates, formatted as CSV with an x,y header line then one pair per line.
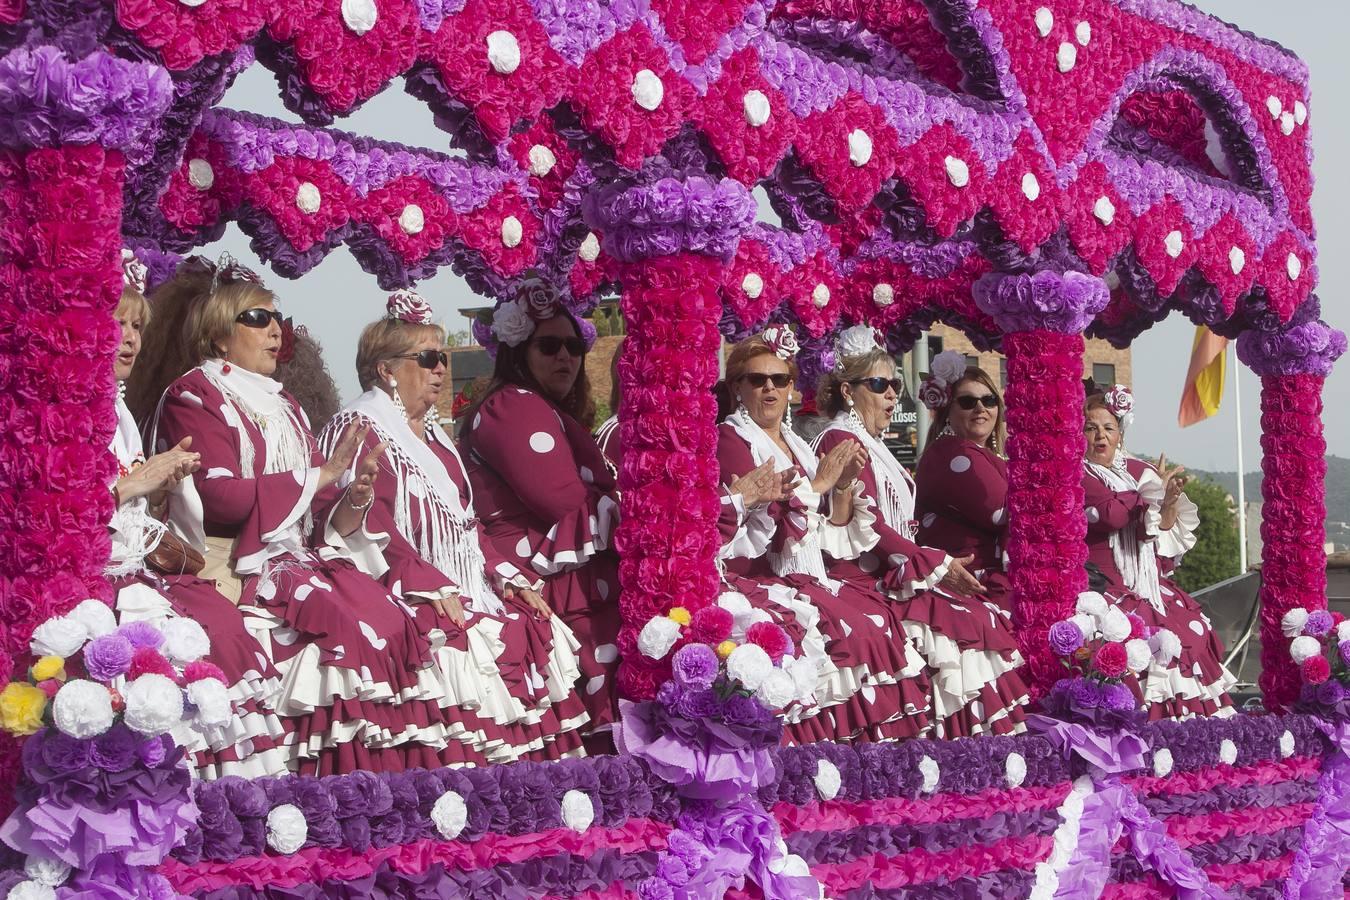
x,y
857,341
948,367
511,323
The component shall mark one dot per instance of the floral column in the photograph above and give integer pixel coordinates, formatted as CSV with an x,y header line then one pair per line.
x,y
673,235
1293,365
61,178
1042,318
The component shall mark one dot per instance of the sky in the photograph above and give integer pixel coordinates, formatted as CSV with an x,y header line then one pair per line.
x,y
336,299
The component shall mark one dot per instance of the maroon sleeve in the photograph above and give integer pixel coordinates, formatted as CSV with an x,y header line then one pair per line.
x,y
520,436
1108,510
965,482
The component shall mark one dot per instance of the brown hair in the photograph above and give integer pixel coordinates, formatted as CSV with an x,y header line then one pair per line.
x,y
830,393
512,369
385,339
738,361
1098,401
614,377
999,437
305,377
210,317
164,351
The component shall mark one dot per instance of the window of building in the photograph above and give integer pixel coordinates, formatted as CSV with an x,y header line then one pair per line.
x,y
1003,373
973,361
1104,373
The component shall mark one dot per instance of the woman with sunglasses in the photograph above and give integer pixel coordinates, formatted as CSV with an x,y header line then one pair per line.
x,y
508,663
548,496
871,684
359,691
971,651
1140,524
962,477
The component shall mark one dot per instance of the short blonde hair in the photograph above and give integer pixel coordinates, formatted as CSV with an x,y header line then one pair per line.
x,y
385,339
212,318
830,393
133,302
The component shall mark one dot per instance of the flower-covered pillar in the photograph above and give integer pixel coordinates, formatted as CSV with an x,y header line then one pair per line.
x,y
674,235
1292,364
1042,318
61,178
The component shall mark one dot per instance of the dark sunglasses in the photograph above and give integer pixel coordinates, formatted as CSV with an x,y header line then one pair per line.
x,y
759,379
877,385
967,402
550,344
427,359
259,317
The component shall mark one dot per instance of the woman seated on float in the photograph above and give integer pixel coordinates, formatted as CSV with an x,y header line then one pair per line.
x,y
971,652
871,684
1140,524
510,664
155,581
548,497
962,476
357,690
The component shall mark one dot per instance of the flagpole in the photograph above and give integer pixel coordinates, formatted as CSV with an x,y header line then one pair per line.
x,y
1241,471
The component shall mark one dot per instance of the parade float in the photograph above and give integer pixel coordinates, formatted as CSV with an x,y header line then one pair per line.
x,y
1029,171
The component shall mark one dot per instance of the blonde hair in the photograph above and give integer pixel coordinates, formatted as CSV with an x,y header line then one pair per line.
x,y
133,302
738,360
830,392
211,318
385,339
999,437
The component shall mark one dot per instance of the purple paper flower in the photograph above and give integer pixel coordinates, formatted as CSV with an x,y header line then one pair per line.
x,y
1345,652
1065,637
1085,694
141,635
1330,692
695,666
668,694
655,889
109,656
699,704
63,753
673,870
116,750
1117,697
1319,623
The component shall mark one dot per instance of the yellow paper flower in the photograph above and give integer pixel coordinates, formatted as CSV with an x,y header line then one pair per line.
x,y
679,614
21,708
724,649
49,667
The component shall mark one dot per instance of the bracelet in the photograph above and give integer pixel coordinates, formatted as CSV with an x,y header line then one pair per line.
x,y
363,506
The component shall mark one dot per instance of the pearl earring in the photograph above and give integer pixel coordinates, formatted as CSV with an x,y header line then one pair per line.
x,y
398,401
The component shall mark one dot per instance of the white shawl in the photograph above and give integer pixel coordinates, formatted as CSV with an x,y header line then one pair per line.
x,y
1136,558
134,531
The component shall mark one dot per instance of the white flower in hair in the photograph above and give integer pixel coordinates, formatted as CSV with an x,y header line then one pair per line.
x,y
948,367
856,341
782,341
511,323
409,306
134,272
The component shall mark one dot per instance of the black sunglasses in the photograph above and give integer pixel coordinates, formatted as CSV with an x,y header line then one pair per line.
x,y
759,379
877,385
427,359
259,317
550,344
967,402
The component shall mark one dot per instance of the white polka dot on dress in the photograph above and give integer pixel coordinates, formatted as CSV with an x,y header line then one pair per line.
x,y
868,563
1094,515
541,442
1197,627
998,516
602,587
877,620
928,520
587,475
606,654
595,684
523,547
960,464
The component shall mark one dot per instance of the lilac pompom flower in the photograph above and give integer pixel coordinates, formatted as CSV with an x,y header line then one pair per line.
x,y
142,635
1319,623
1065,637
1117,697
695,666
109,656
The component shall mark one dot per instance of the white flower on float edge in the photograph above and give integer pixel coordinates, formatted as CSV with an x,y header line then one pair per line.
x,y
449,815
31,890
749,665
154,705
1138,656
932,775
1343,631
1293,621
1162,762
82,709
96,617
578,811
62,636
658,636
1287,744
777,690
1227,752
827,779
1015,770
46,870
1166,646
1115,626
212,701
287,830
185,640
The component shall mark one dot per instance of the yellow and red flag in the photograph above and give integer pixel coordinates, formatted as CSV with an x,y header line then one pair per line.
x,y
1203,392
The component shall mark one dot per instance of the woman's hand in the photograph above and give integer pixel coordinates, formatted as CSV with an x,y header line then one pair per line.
x,y
531,598
852,466
451,608
343,454
831,469
159,474
362,489
763,485
958,579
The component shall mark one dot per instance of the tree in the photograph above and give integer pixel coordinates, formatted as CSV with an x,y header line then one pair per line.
x,y
1215,554
457,339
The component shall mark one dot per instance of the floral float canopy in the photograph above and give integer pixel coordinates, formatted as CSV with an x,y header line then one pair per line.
x,y
908,147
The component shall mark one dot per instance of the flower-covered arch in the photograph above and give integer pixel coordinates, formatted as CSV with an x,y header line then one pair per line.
x,y
943,159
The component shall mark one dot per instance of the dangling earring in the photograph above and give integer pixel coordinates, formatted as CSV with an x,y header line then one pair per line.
x,y
787,415
947,430
225,368
855,420
430,419
398,401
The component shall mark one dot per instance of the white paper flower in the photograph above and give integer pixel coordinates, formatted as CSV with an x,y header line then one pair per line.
x,y
307,198
1082,33
1294,267
511,323
1166,646
883,294
154,705
741,624
1293,621
756,106
1115,627
958,173
859,147
1286,744
753,285
1342,631
932,775
589,251
804,674
857,340
1031,187
542,160
359,15
1173,244
749,665
412,220
1066,57
1015,770
1086,624
735,603
46,870
200,174
578,812
1300,112
777,690
1091,603
1286,123
1137,655
1162,762
82,709
1045,20
31,890
62,636
1304,648
827,779
287,830
658,636
450,815
212,701
1227,752
1104,210
648,91
503,52
1237,260
96,617
820,295
512,232
948,367
185,640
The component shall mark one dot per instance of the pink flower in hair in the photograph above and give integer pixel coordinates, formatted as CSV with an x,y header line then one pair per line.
x,y
409,306
540,298
1120,402
134,271
934,394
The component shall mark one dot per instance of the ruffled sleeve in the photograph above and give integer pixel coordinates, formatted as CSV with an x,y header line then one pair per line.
x,y
858,535
1177,540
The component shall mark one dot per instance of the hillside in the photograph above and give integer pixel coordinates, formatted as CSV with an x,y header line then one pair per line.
x,y
1338,494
